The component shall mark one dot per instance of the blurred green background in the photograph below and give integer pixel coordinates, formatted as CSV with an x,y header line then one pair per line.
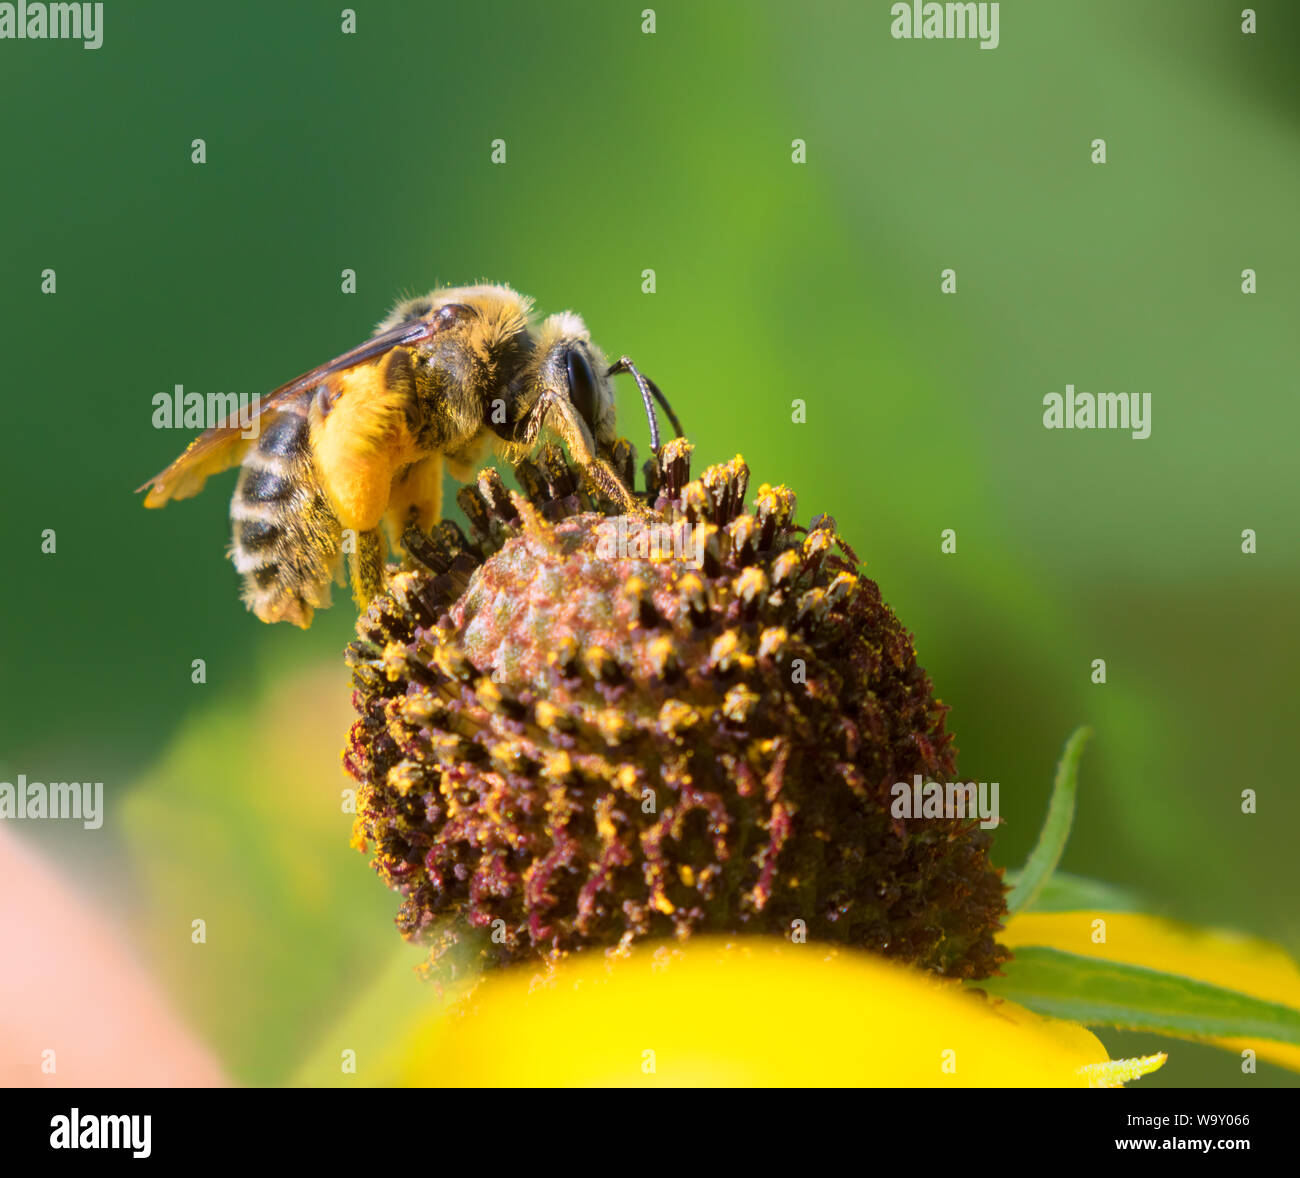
x,y
774,281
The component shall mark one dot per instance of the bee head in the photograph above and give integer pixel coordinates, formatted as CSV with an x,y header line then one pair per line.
x,y
566,387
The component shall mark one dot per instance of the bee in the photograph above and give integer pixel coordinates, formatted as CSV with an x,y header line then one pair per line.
x,y
358,445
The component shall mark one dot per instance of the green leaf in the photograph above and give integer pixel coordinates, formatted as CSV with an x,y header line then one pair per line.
x,y
1056,829
1108,993
1064,892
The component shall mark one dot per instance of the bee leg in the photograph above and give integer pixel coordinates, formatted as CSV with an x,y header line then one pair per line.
x,y
561,418
602,474
368,567
415,501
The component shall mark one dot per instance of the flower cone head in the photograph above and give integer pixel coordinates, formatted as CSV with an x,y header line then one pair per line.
x,y
582,728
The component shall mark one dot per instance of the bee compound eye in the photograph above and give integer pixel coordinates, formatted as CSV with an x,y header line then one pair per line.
x,y
582,386
451,313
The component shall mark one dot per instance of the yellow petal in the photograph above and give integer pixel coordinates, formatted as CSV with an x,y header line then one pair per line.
x,y
750,1012
1232,960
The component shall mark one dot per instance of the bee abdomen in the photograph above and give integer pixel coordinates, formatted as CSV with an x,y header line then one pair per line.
x,y
287,435
256,535
262,485
286,541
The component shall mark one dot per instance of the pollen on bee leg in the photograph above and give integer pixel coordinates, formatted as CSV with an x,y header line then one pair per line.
x,y
602,475
415,500
368,568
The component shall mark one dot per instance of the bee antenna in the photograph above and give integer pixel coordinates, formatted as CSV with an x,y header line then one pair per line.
x,y
667,408
648,389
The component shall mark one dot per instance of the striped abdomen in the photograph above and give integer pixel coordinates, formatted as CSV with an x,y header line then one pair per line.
x,y
286,537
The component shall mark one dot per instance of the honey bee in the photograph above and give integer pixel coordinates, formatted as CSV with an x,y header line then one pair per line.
x,y
361,441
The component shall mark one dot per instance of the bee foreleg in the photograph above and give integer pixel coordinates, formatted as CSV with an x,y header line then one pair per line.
x,y
563,421
602,474
367,566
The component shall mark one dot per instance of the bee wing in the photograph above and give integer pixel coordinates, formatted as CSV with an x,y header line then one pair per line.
x,y
224,445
